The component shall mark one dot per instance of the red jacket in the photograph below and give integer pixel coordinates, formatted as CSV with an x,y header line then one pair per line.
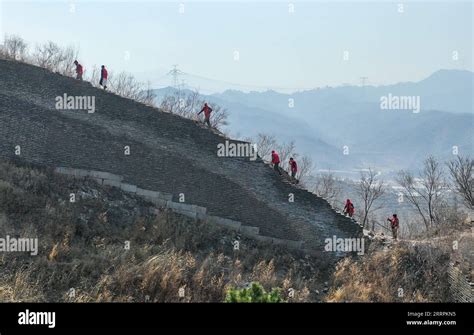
x,y
275,158
207,111
79,69
394,222
294,166
349,207
103,73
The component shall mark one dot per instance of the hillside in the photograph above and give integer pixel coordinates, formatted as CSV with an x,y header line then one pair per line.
x,y
323,121
247,121
82,254
82,243
167,154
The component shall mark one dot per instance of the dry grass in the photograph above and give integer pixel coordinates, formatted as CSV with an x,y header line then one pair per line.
x,y
403,273
175,259
18,288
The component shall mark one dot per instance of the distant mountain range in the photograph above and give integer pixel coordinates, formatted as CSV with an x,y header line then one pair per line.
x,y
324,121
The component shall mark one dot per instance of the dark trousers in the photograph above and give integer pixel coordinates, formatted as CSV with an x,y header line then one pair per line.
x,y
207,121
277,168
395,232
101,82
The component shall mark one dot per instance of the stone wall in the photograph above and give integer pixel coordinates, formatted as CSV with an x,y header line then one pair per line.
x,y
460,284
164,200
168,154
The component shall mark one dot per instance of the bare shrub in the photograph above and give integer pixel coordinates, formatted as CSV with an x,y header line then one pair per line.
x,y
15,48
424,192
147,95
305,168
449,216
125,85
285,151
265,144
189,104
462,175
93,76
219,115
328,187
85,242
369,190
184,105
55,58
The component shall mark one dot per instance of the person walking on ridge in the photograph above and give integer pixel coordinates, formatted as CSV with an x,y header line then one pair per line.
x,y
79,70
103,77
276,162
394,224
207,113
293,169
349,208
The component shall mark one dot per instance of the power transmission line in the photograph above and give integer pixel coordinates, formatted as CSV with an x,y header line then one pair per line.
x,y
250,85
175,73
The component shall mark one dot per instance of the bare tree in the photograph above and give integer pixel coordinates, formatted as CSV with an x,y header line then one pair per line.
x,y
189,104
433,182
45,55
265,145
67,67
448,215
462,174
125,85
54,58
219,115
369,189
285,151
61,60
305,167
410,192
147,96
327,187
14,47
93,76
181,104
424,193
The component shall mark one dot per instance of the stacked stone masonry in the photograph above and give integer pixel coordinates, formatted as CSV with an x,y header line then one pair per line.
x,y
164,200
460,285
167,154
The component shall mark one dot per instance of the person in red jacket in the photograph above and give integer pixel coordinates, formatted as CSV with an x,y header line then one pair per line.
x,y
349,208
293,168
207,113
79,70
103,77
276,161
394,224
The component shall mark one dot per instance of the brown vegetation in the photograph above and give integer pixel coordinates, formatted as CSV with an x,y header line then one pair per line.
x,y
403,272
83,255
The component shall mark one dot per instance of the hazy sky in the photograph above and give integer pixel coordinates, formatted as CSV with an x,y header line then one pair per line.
x,y
276,48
